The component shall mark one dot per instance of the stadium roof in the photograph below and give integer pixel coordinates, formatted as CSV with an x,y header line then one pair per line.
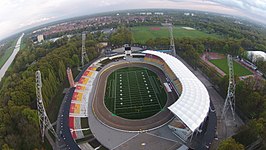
x,y
257,54
193,104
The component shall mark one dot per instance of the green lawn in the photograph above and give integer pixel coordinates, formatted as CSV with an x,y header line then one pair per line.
x,y
238,69
7,54
143,33
134,93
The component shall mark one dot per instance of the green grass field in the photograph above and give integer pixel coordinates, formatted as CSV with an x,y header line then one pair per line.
x,y
238,69
7,54
134,93
143,33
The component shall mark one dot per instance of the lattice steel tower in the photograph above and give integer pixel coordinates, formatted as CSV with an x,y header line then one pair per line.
x,y
172,41
83,50
230,98
43,118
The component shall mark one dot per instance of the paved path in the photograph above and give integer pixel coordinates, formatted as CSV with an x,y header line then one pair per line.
x,y
203,57
11,58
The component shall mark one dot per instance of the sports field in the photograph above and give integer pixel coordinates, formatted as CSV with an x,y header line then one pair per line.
x,y
238,69
143,33
134,93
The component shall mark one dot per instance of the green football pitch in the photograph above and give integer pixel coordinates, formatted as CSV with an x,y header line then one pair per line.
x,y
134,93
142,34
238,69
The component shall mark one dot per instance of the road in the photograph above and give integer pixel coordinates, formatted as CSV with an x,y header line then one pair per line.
x,y
11,58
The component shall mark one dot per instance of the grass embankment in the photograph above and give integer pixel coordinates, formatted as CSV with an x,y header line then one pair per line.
x,y
7,53
238,69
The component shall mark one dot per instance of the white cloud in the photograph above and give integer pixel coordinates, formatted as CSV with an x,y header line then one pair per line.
x,y
18,14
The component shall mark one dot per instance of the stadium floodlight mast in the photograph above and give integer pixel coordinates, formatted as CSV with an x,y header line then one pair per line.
x,y
230,98
83,50
43,118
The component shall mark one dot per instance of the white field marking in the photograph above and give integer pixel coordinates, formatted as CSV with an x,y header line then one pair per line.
x,y
139,89
188,28
130,113
115,94
129,90
155,93
135,107
125,141
161,137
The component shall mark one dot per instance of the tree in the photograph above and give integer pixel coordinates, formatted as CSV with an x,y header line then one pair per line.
x,y
121,36
75,59
6,147
61,71
230,144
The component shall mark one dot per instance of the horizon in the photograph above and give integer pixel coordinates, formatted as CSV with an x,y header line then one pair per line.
x,y
35,13
54,22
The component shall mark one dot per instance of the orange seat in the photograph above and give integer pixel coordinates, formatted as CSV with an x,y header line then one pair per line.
x,y
80,87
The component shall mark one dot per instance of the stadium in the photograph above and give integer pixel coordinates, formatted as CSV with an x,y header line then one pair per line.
x,y
137,100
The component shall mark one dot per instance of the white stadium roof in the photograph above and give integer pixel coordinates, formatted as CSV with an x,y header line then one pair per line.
x,y
256,54
193,104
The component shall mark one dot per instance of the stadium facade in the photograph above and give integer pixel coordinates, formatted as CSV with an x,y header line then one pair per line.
x,y
190,109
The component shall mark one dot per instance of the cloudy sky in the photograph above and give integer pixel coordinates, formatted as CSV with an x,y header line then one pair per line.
x,y
16,15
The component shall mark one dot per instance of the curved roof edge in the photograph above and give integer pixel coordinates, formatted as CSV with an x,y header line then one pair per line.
x,y
192,107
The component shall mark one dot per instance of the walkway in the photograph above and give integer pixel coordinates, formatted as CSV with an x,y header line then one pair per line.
x,y
11,58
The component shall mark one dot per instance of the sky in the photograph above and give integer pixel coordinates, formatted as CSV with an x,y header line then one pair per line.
x,y
17,15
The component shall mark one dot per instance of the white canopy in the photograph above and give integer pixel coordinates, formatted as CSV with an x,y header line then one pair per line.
x,y
254,55
193,104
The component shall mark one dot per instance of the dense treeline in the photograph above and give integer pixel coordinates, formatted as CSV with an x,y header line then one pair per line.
x,y
6,46
227,27
19,127
121,36
250,94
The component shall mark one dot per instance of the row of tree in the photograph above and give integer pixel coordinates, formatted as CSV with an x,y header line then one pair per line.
x,y
19,128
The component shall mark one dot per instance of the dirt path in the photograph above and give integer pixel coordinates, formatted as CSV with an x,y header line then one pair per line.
x,y
204,58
